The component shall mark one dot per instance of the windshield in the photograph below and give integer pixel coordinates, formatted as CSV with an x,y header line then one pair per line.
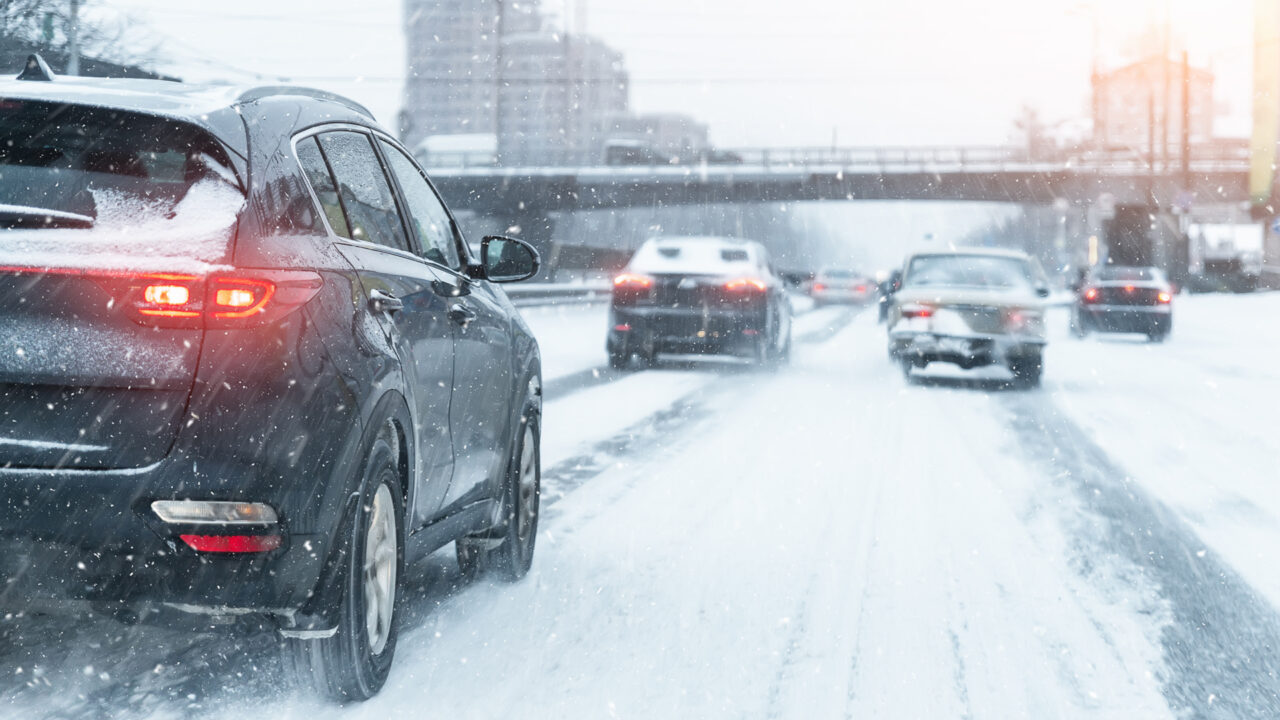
x,y
973,271
1117,273
108,166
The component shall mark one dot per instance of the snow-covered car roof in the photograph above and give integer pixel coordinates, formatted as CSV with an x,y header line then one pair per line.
x,y
697,255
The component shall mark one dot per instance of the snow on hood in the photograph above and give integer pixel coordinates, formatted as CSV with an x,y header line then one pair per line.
x,y
136,235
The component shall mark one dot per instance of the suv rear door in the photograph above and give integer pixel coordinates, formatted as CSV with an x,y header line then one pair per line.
x,y
100,289
401,294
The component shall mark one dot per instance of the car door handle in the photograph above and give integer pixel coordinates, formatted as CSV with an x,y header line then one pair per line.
x,y
384,302
461,314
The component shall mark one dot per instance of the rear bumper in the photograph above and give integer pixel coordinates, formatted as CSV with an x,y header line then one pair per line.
x,y
1126,318
85,535
967,351
652,330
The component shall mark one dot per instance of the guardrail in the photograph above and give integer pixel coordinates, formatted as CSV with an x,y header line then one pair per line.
x,y
533,294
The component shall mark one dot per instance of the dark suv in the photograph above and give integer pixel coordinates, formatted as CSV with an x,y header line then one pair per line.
x,y
248,368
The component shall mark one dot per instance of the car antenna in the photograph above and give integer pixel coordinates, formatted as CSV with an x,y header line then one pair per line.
x,y
36,70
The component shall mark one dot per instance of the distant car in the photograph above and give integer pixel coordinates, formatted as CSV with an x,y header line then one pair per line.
x,y
258,374
971,308
699,295
837,285
1122,299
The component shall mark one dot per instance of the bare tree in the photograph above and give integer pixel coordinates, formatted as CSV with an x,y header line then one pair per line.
x,y
45,24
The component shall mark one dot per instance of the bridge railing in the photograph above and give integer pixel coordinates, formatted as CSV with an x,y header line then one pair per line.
x,y
1204,157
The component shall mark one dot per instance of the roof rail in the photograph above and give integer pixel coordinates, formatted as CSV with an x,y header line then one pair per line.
x,y
267,91
36,69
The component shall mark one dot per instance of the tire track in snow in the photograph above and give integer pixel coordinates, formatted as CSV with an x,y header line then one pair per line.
x,y
1223,647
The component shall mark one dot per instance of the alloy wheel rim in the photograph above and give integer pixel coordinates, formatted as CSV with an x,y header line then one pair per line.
x,y
380,569
526,514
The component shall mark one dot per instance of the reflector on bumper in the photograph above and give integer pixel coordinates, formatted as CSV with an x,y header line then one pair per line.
x,y
213,512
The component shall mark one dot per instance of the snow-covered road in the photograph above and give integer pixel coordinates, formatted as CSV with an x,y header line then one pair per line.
x,y
823,541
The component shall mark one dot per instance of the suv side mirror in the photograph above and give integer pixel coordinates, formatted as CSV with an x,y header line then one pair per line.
x,y
504,259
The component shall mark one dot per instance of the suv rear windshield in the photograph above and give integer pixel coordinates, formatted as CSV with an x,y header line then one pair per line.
x,y
103,166
968,271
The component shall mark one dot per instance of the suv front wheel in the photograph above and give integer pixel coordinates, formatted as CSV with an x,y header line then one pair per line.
x,y
510,555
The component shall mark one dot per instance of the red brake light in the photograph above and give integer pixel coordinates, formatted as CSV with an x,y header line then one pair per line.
x,y
862,288
917,311
631,280
1091,294
237,298
819,287
746,284
1165,297
1128,288
232,543
167,294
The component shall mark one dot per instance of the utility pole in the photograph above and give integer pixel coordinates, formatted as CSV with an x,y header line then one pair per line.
x,y
498,74
73,39
1165,109
1186,123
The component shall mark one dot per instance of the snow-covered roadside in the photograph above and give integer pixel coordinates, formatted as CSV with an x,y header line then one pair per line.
x,y
1193,420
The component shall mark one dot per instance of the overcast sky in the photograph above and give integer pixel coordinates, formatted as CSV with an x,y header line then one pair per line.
x,y
761,73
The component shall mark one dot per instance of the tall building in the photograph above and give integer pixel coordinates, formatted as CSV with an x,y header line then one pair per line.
x,y
557,91
558,94
453,58
1139,106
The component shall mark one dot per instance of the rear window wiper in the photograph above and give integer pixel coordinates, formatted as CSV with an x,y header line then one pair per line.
x,y
22,217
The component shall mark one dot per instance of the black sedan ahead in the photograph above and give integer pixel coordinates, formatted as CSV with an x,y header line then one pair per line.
x,y
1122,299
251,371
699,295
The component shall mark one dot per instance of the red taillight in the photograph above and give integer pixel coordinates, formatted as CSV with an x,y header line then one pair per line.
x,y
819,287
746,284
622,327
232,543
630,280
1128,288
169,296
862,288
917,311
238,298
1091,294
1165,297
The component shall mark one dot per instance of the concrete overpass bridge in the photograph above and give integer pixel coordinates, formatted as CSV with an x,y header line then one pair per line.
x,y
1215,174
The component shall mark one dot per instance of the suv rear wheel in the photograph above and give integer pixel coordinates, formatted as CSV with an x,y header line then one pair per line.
x,y
353,663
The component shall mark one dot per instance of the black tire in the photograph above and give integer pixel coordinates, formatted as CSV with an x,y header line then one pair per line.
x,y
1027,371
353,664
906,365
509,555
1078,327
619,361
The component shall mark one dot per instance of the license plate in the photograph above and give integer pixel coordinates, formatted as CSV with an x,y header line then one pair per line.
x,y
954,345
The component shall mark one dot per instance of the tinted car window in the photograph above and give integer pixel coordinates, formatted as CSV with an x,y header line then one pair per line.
x,y
366,195
111,167
322,183
968,271
427,215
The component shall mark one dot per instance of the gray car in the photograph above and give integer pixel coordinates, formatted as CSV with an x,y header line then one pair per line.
x,y
971,308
